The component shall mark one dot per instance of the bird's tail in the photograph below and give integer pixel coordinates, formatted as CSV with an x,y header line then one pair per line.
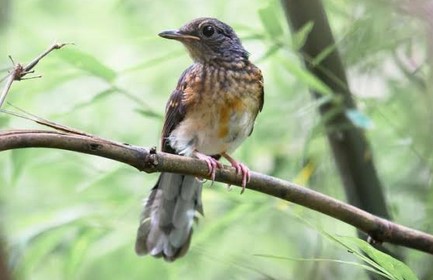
x,y
168,215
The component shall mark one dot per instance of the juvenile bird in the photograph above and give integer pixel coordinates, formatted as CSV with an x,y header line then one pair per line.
x,y
209,114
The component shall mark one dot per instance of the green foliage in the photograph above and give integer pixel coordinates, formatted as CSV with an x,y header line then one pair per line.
x,y
378,262
375,261
299,37
72,216
306,77
270,21
87,63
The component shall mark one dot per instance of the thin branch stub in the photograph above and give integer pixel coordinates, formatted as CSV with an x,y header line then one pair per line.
x,y
18,72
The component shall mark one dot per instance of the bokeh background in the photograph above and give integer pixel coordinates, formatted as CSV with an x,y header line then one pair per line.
x,y
71,216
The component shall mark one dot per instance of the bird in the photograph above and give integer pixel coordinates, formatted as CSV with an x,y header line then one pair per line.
x,y
209,114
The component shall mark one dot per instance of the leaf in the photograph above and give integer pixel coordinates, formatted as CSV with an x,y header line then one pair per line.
x,y
52,221
351,248
87,63
96,98
300,37
44,233
304,176
317,260
270,21
28,257
359,119
82,245
306,77
153,61
272,50
149,113
380,262
323,54
397,269
377,261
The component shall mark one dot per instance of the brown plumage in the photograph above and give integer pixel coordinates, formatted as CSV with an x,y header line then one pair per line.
x,y
209,114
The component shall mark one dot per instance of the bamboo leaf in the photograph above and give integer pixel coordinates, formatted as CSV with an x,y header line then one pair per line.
x,y
306,77
397,269
270,21
88,63
300,37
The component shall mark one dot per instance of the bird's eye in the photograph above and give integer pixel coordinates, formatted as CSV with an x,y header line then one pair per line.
x,y
208,30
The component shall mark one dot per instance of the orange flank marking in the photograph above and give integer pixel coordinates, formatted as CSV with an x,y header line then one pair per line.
x,y
225,112
224,121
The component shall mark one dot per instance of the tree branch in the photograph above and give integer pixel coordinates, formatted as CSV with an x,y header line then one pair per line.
x,y
19,71
148,160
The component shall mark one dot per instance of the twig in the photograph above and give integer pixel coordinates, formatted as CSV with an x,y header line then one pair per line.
x,y
7,86
31,117
19,71
35,61
149,161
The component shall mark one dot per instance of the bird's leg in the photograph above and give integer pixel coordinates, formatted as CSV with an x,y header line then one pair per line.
x,y
212,163
240,169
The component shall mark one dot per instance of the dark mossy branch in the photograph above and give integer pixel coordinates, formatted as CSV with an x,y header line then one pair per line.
x,y
148,160
350,146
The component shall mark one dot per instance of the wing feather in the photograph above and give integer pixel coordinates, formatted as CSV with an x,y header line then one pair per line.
x,y
174,112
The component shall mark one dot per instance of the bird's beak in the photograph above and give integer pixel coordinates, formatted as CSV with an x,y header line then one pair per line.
x,y
177,35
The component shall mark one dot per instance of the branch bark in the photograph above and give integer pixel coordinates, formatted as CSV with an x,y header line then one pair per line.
x,y
148,160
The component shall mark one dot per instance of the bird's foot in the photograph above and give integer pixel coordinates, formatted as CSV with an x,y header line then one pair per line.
x,y
212,164
240,169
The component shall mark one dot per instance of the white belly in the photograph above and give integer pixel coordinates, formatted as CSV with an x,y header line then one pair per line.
x,y
204,132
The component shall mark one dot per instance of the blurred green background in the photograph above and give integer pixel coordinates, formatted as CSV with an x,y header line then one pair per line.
x,y
71,216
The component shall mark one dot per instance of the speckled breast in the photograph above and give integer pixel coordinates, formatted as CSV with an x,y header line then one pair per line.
x,y
223,103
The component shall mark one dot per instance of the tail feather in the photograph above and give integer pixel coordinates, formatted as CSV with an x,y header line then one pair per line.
x,y
166,223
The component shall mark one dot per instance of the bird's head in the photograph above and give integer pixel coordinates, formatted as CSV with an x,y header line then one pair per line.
x,y
208,40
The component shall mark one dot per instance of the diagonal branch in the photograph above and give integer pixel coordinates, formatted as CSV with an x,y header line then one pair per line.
x,y
148,160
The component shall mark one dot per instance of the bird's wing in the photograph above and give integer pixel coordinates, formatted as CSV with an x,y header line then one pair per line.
x,y
174,112
261,96
262,93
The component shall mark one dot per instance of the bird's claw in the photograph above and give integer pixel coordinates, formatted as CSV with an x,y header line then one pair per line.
x,y
243,170
212,164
